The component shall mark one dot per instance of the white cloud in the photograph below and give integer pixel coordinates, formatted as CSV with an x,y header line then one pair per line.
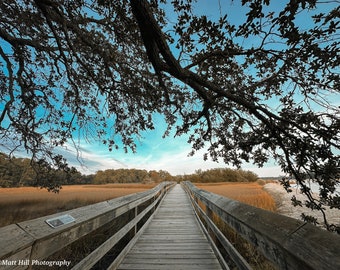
x,y
153,153
173,159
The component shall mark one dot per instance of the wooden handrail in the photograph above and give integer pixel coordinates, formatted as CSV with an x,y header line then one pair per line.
x,y
287,242
36,239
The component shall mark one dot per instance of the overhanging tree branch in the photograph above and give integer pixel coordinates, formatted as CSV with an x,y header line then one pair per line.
x,y
87,67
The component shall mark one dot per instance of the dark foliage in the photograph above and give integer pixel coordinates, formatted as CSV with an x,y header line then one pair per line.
x,y
248,91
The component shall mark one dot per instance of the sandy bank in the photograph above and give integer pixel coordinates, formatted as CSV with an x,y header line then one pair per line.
x,y
285,207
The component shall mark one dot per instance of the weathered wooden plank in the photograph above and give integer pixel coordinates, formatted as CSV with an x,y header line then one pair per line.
x,y
14,240
172,262
16,261
169,267
165,231
178,246
173,239
185,251
163,237
173,256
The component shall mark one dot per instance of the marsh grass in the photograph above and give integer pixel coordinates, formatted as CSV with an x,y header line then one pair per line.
x,y
25,203
249,193
19,204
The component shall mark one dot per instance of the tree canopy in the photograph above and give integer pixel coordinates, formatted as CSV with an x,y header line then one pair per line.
x,y
17,172
262,86
220,175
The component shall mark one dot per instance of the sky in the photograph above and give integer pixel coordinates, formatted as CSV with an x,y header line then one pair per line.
x,y
153,151
170,154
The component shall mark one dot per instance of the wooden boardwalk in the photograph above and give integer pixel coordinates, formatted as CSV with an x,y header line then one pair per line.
x,y
173,240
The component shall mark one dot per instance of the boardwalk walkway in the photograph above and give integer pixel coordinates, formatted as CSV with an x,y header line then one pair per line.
x,y
173,239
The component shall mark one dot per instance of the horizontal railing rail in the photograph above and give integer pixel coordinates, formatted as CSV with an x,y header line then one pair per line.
x,y
288,243
37,239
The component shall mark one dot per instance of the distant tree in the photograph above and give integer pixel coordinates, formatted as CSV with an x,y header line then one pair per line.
x,y
165,176
130,176
99,178
249,175
74,177
86,179
221,175
15,172
249,90
154,176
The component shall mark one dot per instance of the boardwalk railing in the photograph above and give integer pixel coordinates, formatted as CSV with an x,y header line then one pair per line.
x,y
288,243
30,242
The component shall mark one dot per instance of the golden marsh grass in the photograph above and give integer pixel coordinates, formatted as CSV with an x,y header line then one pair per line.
x,y
249,193
24,203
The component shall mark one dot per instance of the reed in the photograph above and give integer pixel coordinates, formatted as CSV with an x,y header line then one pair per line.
x,y
249,193
25,203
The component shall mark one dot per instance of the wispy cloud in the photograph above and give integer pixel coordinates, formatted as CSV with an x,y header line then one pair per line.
x,y
153,153
169,154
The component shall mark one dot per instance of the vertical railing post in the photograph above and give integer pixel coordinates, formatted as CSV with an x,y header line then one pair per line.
x,y
154,207
136,214
210,216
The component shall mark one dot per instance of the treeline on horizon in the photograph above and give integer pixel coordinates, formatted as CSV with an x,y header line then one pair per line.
x,y
17,172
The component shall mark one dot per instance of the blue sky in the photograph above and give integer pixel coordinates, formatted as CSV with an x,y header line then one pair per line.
x,y
171,153
153,151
